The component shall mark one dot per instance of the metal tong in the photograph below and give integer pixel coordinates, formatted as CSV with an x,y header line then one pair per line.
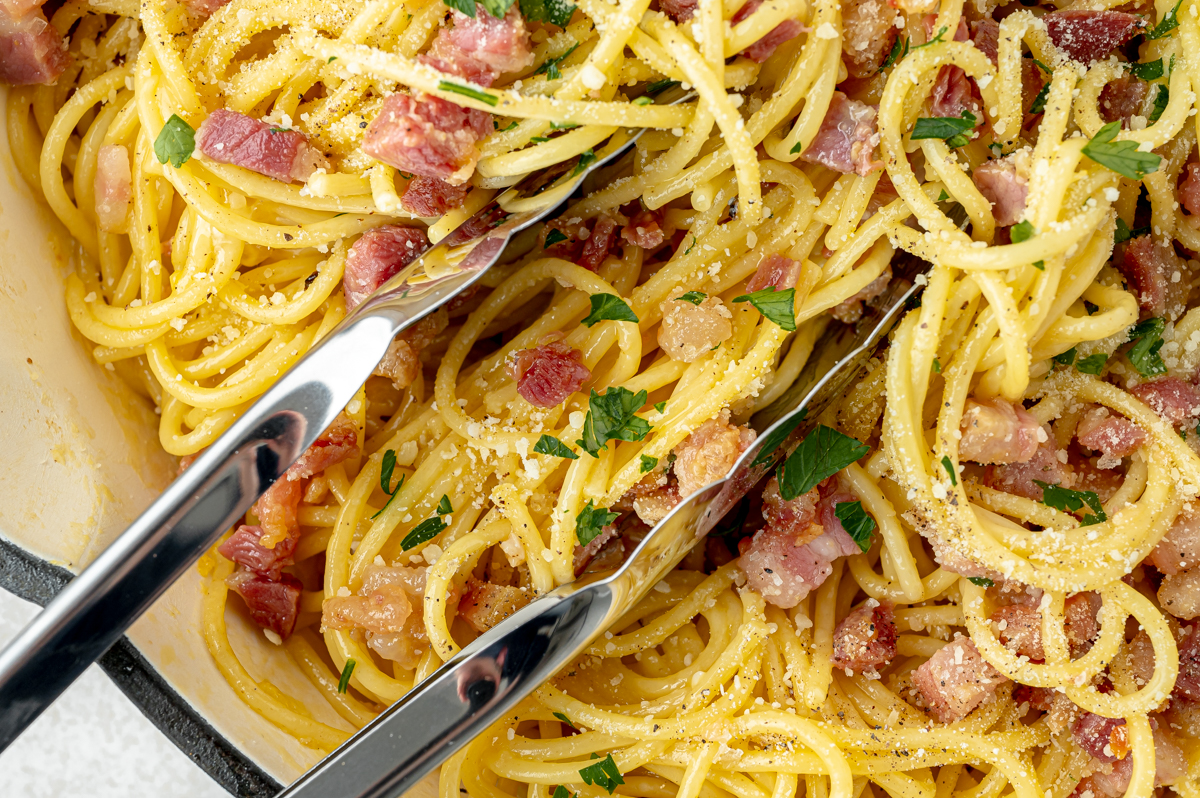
x,y
491,675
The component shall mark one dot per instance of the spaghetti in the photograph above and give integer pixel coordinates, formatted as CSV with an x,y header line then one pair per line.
x,y
974,578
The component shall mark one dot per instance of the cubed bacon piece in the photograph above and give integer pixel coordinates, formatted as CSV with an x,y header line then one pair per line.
x,y
1019,626
678,10
333,446
1019,478
598,244
1090,35
1107,783
547,374
484,605
865,639
429,137
233,138
653,506
847,138
645,230
1122,99
995,431
1170,762
950,559
1187,683
19,8
776,271
401,363
985,35
113,187
378,256
689,331
956,680
276,511
431,196
762,49
1140,657
1155,275
31,50
1004,182
709,453
1179,550
410,643
1106,739
1174,399
482,47
244,547
850,310
1114,436
952,93
783,566
273,604
583,555
382,606
1179,594
204,8
1189,189
868,33
586,242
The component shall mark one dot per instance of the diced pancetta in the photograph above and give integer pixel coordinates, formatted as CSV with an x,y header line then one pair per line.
x,y
114,187
762,49
244,547
31,50
1112,435
428,136
995,431
645,230
709,453
377,256
1155,275
868,33
407,645
588,241
1019,626
547,374
401,363
273,604
689,331
1189,189
204,8
956,680
1179,594
1090,35
850,310
776,271
865,639
1176,400
794,554
953,92
233,138
583,555
1105,739
482,47
1004,182
1188,682
333,446
1019,478
847,138
599,244
432,196
985,35
1179,550
484,604
679,10
383,610
1122,99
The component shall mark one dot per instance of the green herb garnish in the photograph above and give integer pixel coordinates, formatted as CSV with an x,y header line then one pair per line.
x,y
950,129
548,444
608,307
175,143
949,466
611,417
1144,355
467,91
1122,157
821,454
591,521
1070,501
344,682
777,306
603,774
858,524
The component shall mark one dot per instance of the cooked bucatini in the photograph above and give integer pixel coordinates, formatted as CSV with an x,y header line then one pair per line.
x,y
975,577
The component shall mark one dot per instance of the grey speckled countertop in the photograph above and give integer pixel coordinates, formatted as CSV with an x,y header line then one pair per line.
x,y
93,743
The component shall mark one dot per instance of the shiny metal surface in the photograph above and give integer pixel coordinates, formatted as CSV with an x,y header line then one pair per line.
x,y
94,609
487,678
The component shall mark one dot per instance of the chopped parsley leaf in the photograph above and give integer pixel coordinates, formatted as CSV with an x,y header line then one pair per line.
x,y
611,417
777,306
858,524
548,444
590,521
821,454
608,307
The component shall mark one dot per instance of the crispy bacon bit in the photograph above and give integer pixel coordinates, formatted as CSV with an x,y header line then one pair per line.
x,y
1155,273
482,47
378,256
1090,35
1019,626
1004,182
272,604
407,645
949,558
994,431
868,32
432,196
774,270
985,35
383,610
31,50
1122,99
847,138
850,310
588,241
794,554
244,548
709,452
688,332
276,511
1189,189
1174,399
114,187
204,8
1179,550
484,605
229,137
1170,762
1179,594
401,363
953,92
429,137
762,49
865,639
679,10
956,680
546,375
653,506
1018,478
645,230
598,245
1114,436
333,446
1105,739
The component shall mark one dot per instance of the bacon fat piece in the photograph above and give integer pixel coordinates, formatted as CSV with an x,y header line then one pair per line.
x,y
31,50
847,138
